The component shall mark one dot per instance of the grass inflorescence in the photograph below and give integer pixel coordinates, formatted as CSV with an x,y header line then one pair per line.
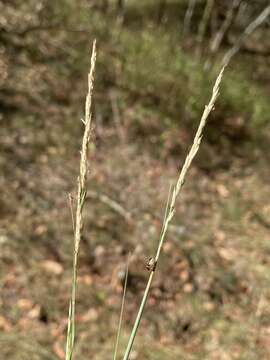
x,y
81,196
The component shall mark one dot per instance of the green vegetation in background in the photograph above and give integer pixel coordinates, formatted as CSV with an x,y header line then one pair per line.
x,y
149,66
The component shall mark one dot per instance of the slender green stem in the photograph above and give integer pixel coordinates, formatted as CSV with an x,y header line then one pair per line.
x,y
147,289
139,316
121,312
170,208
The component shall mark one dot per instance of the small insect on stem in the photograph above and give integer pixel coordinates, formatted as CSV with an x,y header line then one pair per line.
x,y
151,264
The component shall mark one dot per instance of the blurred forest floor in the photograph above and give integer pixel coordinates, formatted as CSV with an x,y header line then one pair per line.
x,y
210,298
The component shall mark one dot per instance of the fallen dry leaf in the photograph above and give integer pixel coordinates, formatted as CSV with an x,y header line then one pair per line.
x,y
34,313
40,230
188,288
58,329
227,253
52,267
184,275
85,279
25,304
209,306
220,235
222,190
90,315
58,350
5,324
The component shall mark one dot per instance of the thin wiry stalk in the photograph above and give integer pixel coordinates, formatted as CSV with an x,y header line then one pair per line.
x,y
121,312
170,209
220,34
205,19
241,13
70,202
81,195
214,47
188,16
249,30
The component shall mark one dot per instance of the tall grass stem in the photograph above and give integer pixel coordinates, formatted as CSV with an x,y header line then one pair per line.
x,y
170,208
81,196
